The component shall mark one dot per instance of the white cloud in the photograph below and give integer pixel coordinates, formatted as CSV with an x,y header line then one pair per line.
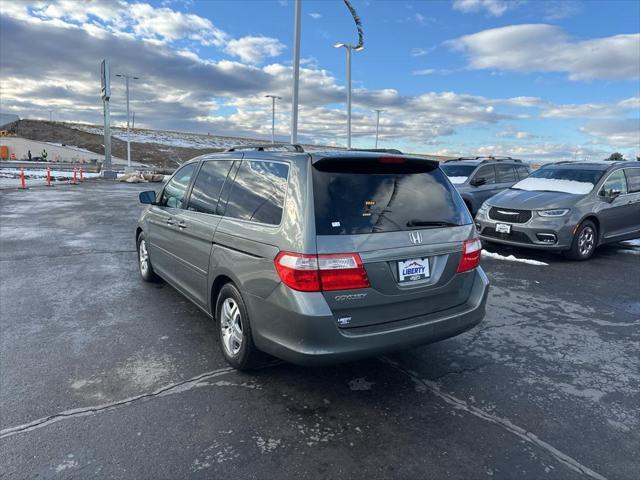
x,y
254,49
546,48
620,132
419,52
168,24
591,110
315,15
494,8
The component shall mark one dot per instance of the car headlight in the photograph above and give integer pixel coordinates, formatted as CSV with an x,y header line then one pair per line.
x,y
483,208
559,212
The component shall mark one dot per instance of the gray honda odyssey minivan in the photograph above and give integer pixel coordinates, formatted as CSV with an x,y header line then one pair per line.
x,y
316,257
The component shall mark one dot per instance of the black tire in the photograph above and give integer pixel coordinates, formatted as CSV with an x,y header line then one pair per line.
x,y
241,355
145,268
584,242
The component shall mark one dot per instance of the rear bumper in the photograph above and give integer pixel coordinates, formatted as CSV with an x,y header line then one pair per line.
x,y
308,334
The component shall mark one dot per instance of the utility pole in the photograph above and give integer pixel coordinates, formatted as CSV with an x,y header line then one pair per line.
x,y
296,71
126,79
377,124
105,77
273,116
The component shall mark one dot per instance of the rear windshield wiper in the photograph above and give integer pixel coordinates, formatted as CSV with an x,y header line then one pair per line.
x,y
430,224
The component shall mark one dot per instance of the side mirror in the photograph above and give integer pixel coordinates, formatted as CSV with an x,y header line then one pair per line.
x,y
610,195
148,197
476,182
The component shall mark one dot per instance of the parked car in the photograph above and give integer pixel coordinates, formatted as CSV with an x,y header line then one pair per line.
x,y
567,206
316,257
480,178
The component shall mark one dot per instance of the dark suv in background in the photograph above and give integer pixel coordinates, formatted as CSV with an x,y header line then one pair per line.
x,y
480,178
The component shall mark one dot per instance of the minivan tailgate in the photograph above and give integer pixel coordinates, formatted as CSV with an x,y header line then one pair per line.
x,y
389,299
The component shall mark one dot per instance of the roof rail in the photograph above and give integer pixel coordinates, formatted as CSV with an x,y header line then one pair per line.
x,y
377,150
261,147
485,159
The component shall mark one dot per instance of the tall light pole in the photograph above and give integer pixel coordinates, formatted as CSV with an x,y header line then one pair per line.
x,y
377,124
273,115
349,48
126,80
296,71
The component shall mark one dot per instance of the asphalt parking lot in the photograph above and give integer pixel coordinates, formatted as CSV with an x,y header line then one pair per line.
x,y
104,376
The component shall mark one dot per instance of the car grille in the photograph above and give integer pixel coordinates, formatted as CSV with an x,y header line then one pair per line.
x,y
509,215
517,237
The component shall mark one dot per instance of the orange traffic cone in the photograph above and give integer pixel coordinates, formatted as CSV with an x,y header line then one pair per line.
x,y
48,177
23,186
75,175
81,175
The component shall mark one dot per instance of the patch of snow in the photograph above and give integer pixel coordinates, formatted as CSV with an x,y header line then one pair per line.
x,y
511,258
14,173
267,445
632,243
533,184
457,180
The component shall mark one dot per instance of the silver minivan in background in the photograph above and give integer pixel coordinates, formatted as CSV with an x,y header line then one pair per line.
x,y
569,207
316,257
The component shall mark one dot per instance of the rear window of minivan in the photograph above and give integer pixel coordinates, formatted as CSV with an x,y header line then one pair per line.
x,y
365,196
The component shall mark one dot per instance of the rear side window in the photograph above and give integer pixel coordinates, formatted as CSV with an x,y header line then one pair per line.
x,y
506,173
208,185
359,200
487,173
633,179
523,172
175,190
258,192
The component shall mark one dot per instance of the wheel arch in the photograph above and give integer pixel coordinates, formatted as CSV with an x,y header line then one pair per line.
x,y
219,282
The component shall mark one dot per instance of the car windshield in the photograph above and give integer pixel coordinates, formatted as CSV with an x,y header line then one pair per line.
x,y
567,180
457,173
363,198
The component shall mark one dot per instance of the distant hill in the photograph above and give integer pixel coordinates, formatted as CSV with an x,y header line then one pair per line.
x,y
159,148
6,118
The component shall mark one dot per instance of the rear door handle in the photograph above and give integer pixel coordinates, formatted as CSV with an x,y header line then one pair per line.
x,y
182,225
170,221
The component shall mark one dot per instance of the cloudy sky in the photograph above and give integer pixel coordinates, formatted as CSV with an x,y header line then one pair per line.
x,y
536,79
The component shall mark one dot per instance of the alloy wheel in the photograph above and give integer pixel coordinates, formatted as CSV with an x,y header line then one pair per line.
x,y
231,325
586,241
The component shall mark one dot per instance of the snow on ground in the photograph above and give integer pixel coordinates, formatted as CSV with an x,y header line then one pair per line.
x,y
15,173
511,258
458,180
174,139
533,184
631,246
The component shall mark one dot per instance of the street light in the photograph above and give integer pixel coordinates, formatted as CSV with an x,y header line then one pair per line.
x,y
273,115
377,124
348,47
126,78
296,71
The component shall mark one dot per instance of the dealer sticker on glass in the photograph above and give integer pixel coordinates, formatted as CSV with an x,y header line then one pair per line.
x,y
413,269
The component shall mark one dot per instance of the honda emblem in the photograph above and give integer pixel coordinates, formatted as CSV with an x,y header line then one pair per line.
x,y
415,237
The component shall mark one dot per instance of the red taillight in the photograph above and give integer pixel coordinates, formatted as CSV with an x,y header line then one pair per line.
x,y
314,273
471,251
